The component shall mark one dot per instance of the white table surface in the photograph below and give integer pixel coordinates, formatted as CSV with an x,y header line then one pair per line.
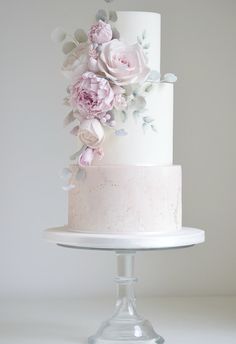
x,y
69,321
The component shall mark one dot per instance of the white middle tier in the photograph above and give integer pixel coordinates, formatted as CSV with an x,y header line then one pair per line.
x,y
141,147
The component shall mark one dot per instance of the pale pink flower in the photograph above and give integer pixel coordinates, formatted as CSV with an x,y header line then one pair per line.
x,y
120,102
99,153
91,132
123,64
100,32
91,95
86,157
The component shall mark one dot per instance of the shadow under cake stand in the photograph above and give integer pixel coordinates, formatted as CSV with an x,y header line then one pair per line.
x,y
125,325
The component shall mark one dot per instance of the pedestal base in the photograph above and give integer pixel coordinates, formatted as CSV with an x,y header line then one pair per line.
x,y
126,326
115,332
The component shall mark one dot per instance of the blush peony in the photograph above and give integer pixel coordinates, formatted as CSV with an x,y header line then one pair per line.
x,y
123,64
91,95
100,33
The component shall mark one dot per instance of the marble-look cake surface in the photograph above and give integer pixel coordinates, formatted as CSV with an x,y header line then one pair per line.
x,y
126,199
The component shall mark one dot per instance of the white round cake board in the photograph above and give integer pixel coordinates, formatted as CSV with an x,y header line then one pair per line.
x,y
141,241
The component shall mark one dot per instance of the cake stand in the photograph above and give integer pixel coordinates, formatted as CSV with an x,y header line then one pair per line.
x,y
125,325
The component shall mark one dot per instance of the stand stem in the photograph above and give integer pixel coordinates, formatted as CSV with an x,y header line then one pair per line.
x,y
125,325
125,305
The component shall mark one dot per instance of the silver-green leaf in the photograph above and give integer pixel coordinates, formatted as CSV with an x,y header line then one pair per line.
x,y
78,153
148,88
140,102
148,119
154,75
68,187
75,130
139,40
69,119
115,33
68,47
169,77
154,128
81,174
144,126
66,173
101,15
113,16
81,36
146,46
124,116
58,35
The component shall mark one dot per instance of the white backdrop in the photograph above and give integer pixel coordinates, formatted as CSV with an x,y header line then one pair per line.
x,y
198,44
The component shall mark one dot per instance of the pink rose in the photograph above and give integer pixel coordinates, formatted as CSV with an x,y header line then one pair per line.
x,y
123,64
91,95
76,61
100,33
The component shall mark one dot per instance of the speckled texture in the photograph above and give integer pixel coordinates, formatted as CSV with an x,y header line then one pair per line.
x,y
127,199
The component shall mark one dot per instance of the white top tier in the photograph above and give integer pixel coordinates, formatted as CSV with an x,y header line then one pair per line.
x,y
133,24
143,147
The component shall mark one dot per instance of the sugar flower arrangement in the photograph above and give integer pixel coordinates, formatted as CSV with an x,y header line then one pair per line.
x,y
107,78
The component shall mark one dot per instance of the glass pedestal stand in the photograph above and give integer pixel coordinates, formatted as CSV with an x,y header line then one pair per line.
x,y
125,325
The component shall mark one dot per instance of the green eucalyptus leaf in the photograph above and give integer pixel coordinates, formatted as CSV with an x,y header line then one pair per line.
x,y
154,75
81,174
146,46
58,35
140,102
81,36
69,119
113,16
144,126
68,47
136,115
68,187
170,77
139,40
148,119
75,130
115,33
124,115
101,15
66,173
78,153
154,128
148,88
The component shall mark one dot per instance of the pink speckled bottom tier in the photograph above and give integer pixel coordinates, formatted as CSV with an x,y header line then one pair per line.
x,y
127,199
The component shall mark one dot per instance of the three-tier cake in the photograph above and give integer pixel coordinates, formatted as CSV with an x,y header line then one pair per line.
x,y
122,178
